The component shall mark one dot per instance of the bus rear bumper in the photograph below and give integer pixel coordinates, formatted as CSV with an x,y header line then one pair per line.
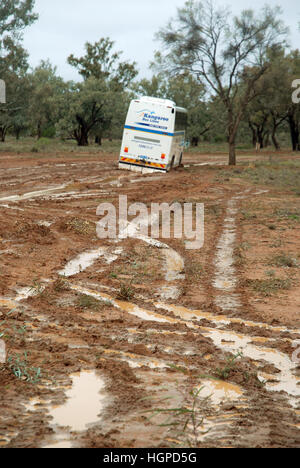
x,y
139,168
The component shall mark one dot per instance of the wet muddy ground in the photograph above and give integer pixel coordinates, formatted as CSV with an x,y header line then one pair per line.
x,y
141,343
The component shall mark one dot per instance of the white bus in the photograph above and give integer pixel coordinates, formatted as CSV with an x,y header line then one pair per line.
x,y
154,135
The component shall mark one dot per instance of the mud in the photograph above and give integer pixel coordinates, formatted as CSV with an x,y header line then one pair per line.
x,y
103,336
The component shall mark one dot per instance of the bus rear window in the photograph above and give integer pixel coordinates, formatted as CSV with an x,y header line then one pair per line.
x,y
180,121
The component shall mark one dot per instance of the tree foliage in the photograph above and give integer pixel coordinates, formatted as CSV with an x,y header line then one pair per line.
x,y
87,106
228,56
102,63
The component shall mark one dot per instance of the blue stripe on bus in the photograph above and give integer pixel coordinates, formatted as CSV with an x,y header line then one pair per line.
x,y
129,127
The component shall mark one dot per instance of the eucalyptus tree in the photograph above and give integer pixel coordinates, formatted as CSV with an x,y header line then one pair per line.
x,y
228,54
99,103
13,70
47,88
86,106
15,16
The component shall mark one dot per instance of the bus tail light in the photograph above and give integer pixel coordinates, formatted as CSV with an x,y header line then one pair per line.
x,y
126,150
163,156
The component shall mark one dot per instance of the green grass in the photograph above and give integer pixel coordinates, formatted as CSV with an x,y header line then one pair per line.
x,y
283,260
268,287
89,302
185,421
290,214
279,174
194,270
125,293
21,370
56,146
224,372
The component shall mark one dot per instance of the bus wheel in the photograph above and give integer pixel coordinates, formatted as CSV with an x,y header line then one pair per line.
x,y
172,163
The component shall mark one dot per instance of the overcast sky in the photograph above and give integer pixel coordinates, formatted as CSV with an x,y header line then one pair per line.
x,y
65,25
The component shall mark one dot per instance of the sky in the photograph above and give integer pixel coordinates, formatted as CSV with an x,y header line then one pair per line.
x,y
64,26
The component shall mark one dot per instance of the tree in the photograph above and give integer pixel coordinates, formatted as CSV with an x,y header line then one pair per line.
x,y
15,15
293,117
13,70
185,91
47,89
102,63
269,110
230,57
87,106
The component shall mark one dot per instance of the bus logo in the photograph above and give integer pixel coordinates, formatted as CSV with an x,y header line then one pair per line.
x,y
145,113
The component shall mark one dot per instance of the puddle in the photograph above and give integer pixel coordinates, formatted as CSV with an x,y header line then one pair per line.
x,y
29,195
187,314
85,402
174,265
132,230
219,320
145,179
219,391
169,292
84,405
225,340
45,223
12,207
135,361
86,259
74,195
24,293
225,273
285,380
225,278
126,306
228,303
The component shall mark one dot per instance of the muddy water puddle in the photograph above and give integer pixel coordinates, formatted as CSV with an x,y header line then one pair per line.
x,y
30,195
218,320
135,361
85,402
225,274
285,380
86,259
225,340
174,268
219,391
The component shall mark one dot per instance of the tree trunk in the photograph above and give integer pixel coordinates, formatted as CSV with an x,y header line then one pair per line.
x,y
82,136
195,141
2,134
39,131
98,140
254,135
231,132
83,139
266,139
274,139
294,129
232,154
260,137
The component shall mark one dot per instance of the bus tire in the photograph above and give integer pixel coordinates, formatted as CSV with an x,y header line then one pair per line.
x,y
172,163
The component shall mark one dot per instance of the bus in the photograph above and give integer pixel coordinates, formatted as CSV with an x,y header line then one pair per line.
x,y
154,135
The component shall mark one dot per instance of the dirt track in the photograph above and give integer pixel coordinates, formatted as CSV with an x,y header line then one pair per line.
x,y
188,312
